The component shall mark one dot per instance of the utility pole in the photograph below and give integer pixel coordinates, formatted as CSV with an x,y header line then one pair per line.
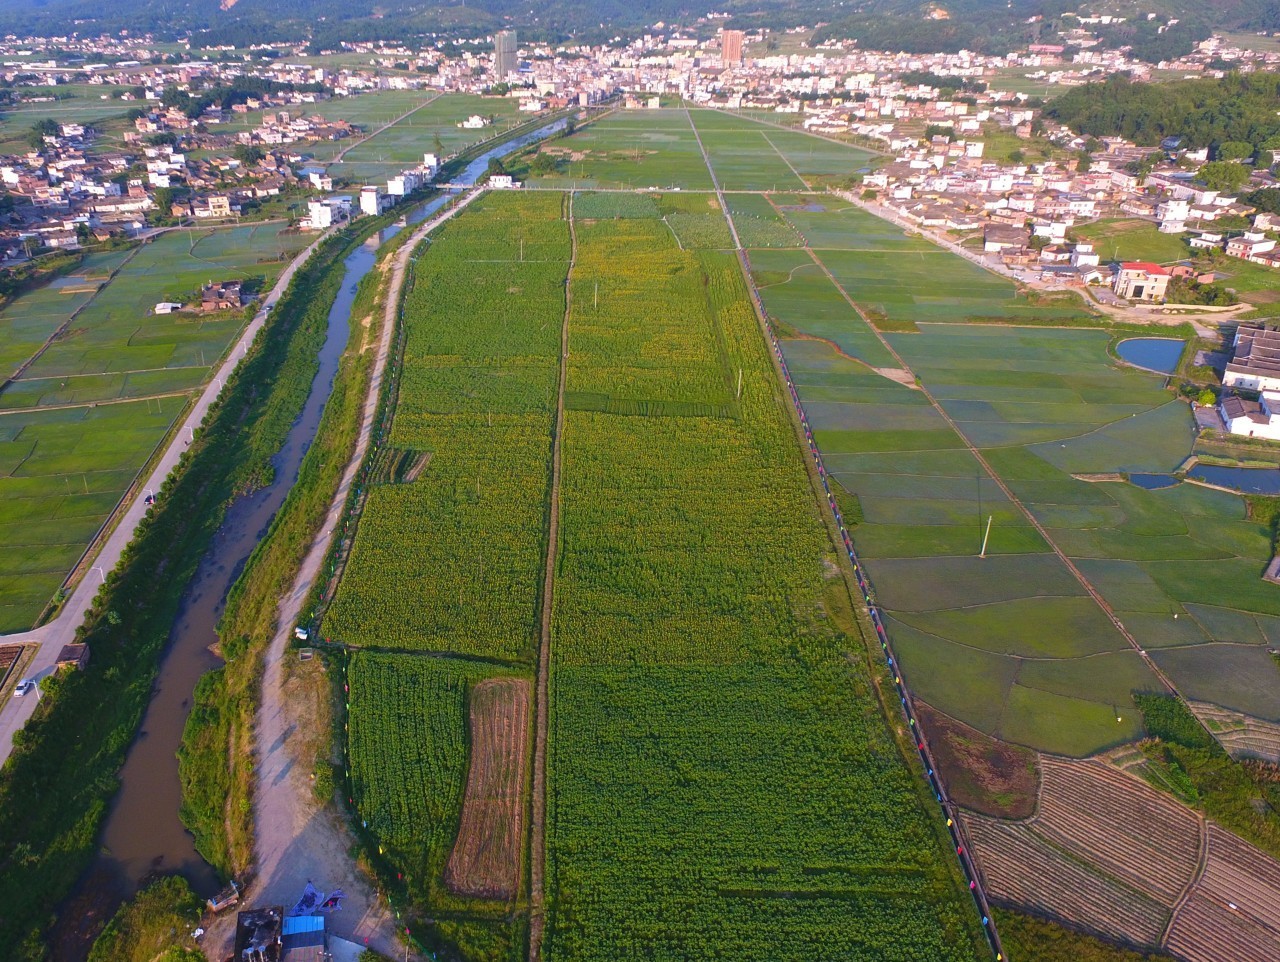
x,y
986,536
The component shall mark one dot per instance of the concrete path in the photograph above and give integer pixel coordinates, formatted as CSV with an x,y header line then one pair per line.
x,y
297,840
14,712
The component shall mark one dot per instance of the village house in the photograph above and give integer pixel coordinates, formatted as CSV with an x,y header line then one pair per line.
x,y
1250,245
1252,419
221,296
1255,359
1141,281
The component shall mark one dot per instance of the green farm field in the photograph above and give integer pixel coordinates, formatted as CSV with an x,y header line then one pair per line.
x,y
701,673
1010,643
480,397
660,149
699,678
375,157
62,472
104,380
1132,240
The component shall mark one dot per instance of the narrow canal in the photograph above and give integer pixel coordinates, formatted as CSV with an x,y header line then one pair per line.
x,y
143,835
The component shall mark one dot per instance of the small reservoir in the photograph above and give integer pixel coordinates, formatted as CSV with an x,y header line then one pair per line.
x,y
1158,354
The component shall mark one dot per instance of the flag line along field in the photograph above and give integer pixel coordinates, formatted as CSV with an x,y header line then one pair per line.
x,y
935,784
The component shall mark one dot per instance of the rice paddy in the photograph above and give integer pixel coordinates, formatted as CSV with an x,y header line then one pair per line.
x,y
99,381
1009,642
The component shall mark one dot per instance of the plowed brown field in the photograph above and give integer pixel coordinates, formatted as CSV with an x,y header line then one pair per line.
x,y
485,861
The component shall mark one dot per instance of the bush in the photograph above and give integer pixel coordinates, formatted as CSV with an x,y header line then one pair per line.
x,y
1169,719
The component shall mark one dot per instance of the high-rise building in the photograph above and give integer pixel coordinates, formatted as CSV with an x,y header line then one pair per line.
x,y
731,46
504,54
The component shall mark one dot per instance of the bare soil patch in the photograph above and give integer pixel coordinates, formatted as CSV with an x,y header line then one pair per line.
x,y
485,861
981,773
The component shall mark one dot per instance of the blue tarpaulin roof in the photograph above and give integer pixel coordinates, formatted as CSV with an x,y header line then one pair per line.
x,y
297,924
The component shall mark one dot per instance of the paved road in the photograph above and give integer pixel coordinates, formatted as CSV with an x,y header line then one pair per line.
x,y
14,712
295,839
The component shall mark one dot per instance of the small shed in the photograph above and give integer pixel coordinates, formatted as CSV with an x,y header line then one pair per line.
x,y
167,307
73,656
258,934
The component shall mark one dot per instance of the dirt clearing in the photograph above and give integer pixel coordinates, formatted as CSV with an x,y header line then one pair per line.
x,y
485,861
982,774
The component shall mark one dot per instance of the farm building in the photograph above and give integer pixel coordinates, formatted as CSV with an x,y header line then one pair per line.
x,y
1141,281
167,307
222,296
73,656
1255,359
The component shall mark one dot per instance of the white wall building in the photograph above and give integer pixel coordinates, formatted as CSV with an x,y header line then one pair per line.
x,y
1253,419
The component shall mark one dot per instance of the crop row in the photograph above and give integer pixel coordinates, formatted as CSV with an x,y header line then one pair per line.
x,y
451,561
722,783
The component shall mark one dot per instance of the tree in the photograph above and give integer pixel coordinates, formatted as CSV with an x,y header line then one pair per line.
x,y
1016,156
1234,150
1227,175
495,168
249,154
165,198
438,145
542,164
41,129
1083,162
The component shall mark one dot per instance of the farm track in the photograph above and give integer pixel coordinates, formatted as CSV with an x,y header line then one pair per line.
x,y
783,157
955,833
105,552
295,839
107,402
538,828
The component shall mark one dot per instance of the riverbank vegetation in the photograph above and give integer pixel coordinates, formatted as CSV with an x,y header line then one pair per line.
x,y
62,774
156,926
216,758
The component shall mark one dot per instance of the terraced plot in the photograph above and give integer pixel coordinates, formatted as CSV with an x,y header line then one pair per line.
x,y
1233,908
1110,855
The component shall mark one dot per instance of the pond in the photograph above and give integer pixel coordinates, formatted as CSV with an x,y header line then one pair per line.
x,y
1246,480
1153,482
1159,354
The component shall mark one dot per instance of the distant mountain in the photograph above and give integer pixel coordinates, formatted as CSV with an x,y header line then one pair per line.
x,y
911,25
247,21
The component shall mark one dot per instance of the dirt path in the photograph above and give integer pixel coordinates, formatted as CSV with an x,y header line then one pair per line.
x,y
538,833
785,160
295,839
337,158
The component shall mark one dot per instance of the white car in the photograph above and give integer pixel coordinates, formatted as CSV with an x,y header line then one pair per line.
x,y
24,687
